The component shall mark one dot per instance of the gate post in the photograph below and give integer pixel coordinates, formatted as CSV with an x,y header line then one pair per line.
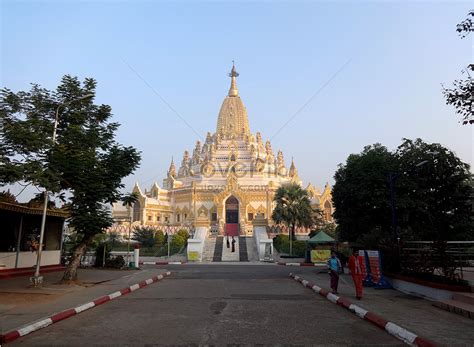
x,y
136,257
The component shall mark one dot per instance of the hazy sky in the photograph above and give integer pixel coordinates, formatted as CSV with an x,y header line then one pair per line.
x,y
397,54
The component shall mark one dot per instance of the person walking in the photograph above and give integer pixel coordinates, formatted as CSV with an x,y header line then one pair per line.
x,y
233,244
355,266
334,268
228,242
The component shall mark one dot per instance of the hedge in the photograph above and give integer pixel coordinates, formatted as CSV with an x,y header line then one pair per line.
x,y
282,245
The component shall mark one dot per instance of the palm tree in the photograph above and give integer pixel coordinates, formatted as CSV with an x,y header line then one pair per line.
x,y
293,208
128,200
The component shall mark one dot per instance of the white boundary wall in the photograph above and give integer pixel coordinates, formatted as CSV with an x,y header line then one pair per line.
x,y
261,239
196,244
28,259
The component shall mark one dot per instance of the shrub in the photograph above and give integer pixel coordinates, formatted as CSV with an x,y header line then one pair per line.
x,y
279,240
117,262
299,248
177,242
160,238
184,234
282,245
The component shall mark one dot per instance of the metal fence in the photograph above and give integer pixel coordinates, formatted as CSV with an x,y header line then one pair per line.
x,y
277,229
124,229
450,259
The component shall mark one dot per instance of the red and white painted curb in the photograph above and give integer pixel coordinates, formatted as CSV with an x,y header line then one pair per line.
x,y
162,263
14,334
392,328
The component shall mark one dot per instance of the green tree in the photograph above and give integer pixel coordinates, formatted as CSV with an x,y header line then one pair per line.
x,y
360,195
433,193
85,160
466,26
293,208
461,95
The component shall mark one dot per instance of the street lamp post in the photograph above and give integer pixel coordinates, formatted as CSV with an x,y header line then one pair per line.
x,y
37,279
128,241
168,237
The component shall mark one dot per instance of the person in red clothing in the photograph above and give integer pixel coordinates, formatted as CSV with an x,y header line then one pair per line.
x,y
355,265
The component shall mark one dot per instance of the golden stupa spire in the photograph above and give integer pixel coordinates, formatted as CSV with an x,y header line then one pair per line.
x,y
172,169
232,120
233,91
293,172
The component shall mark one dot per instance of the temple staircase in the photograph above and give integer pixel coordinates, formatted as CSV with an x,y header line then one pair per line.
x,y
243,255
227,254
218,249
215,250
209,248
252,253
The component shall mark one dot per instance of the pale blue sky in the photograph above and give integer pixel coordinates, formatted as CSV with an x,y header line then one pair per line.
x,y
399,52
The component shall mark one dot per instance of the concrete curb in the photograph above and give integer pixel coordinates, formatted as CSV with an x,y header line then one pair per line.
x,y
162,263
299,264
392,328
14,334
9,273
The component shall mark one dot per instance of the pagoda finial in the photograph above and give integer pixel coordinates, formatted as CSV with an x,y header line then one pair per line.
x,y
233,72
233,91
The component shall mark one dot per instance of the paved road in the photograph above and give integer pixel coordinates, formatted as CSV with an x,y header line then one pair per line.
x,y
215,304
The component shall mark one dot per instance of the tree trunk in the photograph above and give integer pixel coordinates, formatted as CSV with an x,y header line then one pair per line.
x,y
71,271
293,235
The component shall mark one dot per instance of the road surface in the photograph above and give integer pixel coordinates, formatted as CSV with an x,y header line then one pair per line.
x,y
215,304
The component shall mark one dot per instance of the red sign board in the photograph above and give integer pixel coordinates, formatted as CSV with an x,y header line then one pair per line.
x,y
374,263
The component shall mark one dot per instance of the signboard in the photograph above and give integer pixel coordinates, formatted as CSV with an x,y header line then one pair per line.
x,y
372,269
365,270
193,255
320,255
374,264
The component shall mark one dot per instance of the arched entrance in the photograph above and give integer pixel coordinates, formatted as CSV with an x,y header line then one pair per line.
x,y
232,216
